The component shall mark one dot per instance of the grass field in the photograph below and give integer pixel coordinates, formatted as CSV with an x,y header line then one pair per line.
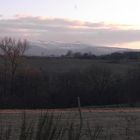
x,y
97,124
55,65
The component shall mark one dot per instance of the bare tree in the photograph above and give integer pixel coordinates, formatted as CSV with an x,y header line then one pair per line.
x,y
12,52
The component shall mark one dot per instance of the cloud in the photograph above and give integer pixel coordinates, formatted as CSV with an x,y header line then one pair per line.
x,y
55,29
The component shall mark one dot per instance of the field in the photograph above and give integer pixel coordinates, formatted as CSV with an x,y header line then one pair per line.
x,y
97,124
60,65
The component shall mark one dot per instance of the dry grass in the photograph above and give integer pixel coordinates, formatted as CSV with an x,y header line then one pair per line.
x,y
71,125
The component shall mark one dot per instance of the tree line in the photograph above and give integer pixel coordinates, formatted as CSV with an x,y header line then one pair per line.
x,y
116,56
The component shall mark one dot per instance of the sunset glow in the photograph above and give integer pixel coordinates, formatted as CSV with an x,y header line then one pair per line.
x,y
74,20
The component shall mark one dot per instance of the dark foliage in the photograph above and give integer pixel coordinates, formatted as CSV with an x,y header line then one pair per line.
x,y
96,85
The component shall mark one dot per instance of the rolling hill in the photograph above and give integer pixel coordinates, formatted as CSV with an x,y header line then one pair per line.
x,y
58,48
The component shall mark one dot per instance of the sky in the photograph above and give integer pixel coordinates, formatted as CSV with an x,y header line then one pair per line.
x,y
95,22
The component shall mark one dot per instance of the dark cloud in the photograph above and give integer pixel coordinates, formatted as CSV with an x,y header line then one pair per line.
x,y
67,30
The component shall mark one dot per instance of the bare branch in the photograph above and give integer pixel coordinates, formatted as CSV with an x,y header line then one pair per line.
x,y
12,51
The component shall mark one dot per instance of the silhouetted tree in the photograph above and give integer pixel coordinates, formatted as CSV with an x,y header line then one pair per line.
x,y
98,81
12,51
69,54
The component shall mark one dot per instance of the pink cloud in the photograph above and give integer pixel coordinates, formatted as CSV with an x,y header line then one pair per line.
x,y
68,30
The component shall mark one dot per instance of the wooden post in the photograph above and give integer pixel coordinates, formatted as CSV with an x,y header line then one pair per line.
x,y
79,103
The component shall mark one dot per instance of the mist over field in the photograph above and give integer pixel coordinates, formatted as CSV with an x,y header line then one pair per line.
x,y
58,48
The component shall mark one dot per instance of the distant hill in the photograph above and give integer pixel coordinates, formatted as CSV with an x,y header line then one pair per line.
x,y
57,48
